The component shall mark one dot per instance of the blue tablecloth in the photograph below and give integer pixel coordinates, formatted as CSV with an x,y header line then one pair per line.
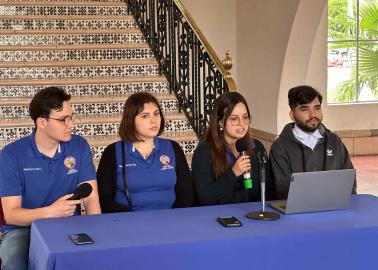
x,y
191,238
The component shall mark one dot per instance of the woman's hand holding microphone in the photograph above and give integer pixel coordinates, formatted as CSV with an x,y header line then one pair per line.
x,y
241,165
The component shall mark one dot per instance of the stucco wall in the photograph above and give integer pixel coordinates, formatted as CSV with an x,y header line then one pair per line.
x,y
276,45
216,19
263,31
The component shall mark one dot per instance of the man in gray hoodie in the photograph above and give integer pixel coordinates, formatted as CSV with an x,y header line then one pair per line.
x,y
305,145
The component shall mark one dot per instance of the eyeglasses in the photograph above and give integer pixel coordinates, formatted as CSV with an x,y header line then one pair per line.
x,y
66,120
236,120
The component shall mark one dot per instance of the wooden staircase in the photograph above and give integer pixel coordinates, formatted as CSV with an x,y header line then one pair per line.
x,y
95,51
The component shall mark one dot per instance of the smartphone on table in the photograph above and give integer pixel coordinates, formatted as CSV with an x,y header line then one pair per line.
x,y
81,239
229,221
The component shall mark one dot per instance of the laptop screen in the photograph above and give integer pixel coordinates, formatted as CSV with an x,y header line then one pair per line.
x,y
320,191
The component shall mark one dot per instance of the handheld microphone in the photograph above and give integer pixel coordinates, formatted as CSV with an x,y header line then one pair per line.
x,y
242,148
82,191
262,215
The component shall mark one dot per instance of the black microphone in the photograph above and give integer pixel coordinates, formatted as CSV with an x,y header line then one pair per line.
x,y
82,191
262,214
242,148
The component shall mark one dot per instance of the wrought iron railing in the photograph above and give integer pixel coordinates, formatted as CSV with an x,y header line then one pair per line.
x,y
196,75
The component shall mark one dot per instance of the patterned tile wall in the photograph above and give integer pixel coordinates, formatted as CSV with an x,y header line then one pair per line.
x,y
8,24
89,39
78,72
82,31
100,129
64,10
85,90
84,109
76,55
60,1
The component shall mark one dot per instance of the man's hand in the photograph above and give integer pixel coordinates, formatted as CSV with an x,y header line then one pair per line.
x,y
62,207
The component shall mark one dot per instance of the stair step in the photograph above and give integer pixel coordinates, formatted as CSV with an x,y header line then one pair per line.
x,y
95,126
91,106
82,100
60,2
80,88
75,63
90,119
75,70
49,49
49,9
87,39
22,32
73,54
59,19
67,38
73,23
99,80
9,10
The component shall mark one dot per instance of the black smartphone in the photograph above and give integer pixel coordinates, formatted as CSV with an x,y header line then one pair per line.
x,y
81,238
229,221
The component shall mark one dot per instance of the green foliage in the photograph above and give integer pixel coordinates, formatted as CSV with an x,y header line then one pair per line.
x,y
342,29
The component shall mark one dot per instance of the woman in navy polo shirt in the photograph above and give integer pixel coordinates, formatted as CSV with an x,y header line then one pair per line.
x,y
217,166
143,171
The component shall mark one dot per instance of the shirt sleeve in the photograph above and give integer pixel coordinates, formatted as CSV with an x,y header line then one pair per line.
x,y
347,163
107,181
87,170
209,189
184,184
280,172
10,176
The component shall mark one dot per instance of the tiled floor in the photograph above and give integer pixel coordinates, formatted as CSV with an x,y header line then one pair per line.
x,y
367,174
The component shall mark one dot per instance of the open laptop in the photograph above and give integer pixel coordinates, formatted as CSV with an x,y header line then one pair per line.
x,y
317,191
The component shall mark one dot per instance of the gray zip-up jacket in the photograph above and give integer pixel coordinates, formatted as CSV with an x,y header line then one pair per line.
x,y
288,155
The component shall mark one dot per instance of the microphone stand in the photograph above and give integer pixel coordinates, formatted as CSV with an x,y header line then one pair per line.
x,y
262,214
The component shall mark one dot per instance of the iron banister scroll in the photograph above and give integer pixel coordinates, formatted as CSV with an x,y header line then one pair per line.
x,y
195,73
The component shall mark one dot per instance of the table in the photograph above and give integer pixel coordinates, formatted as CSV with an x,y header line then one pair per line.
x,y
191,238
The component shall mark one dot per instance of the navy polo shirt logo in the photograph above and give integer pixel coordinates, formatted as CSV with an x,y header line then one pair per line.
x,y
164,160
70,163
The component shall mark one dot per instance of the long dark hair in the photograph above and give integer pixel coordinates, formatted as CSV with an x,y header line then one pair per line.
x,y
223,107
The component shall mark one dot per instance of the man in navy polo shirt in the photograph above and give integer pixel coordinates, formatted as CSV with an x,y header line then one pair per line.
x,y
40,172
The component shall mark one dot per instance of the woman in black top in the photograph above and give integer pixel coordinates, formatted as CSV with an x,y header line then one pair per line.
x,y
217,166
